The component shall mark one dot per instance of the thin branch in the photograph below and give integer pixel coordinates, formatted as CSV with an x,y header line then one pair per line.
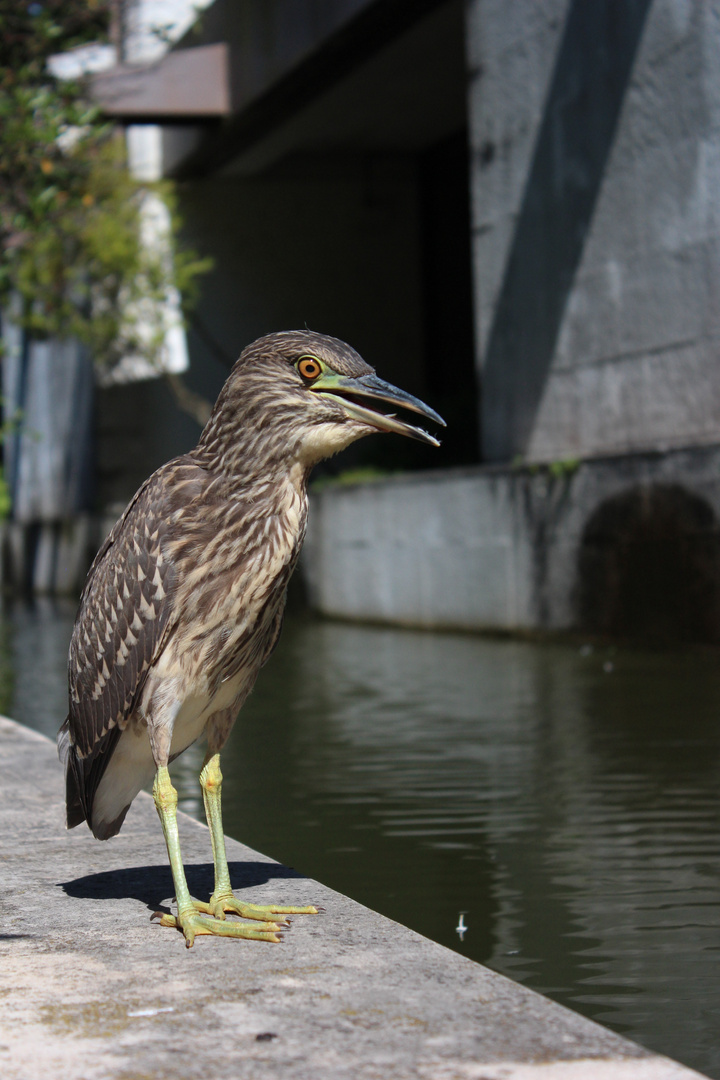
x,y
193,404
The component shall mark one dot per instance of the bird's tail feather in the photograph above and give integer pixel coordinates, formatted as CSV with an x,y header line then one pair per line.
x,y
75,812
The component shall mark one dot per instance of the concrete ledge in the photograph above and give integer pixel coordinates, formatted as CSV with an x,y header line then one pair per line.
x,y
489,548
92,989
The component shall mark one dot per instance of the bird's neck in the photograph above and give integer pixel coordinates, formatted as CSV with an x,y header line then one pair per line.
x,y
250,453
260,483
259,486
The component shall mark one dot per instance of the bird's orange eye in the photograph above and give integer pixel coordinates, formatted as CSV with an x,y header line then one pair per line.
x,y
309,367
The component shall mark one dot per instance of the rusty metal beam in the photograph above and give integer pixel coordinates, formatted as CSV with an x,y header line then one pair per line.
x,y
185,86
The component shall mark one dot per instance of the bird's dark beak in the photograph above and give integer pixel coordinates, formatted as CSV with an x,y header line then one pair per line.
x,y
371,388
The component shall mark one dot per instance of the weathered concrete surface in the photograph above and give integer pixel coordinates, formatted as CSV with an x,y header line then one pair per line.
x,y
92,989
485,548
596,233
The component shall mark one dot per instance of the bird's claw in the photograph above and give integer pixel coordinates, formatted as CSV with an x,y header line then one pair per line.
x,y
164,918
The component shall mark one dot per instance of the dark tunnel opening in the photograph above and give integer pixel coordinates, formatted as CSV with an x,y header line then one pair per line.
x,y
649,568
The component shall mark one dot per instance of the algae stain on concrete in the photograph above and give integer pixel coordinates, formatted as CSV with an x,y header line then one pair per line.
x,y
100,1019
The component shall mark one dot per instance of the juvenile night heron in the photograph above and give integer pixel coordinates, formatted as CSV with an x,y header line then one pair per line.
x,y
184,601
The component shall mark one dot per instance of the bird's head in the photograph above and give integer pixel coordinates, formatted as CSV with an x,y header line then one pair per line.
x,y
302,397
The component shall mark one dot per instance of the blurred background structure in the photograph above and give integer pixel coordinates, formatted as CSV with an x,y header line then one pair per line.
x,y
510,210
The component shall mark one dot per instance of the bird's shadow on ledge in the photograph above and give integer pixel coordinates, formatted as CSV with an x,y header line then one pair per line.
x,y
151,884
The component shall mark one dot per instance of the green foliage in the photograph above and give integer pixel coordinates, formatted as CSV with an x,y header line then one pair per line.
x,y
361,475
33,30
5,499
71,215
8,427
565,467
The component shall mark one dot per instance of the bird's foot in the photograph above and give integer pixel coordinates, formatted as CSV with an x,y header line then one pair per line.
x,y
193,923
220,903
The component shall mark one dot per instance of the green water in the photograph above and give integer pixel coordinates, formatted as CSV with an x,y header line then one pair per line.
x,y
567,801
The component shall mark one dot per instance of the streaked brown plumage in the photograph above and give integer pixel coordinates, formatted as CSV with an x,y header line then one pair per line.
x,y
184,602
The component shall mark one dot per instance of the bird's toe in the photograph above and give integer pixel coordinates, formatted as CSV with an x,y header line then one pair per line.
x,y
227,902
194,924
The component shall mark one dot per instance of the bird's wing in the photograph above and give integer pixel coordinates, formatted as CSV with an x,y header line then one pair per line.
x,y
275,632
126,610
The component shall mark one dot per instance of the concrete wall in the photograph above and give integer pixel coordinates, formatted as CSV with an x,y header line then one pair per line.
x,y
595,133
430,550
595,173
501,549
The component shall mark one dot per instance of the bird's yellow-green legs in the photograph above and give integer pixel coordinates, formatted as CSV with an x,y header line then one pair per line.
x,y
222,899
188,918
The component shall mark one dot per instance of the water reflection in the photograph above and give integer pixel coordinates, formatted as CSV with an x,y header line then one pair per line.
x,y
566,802
33,663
